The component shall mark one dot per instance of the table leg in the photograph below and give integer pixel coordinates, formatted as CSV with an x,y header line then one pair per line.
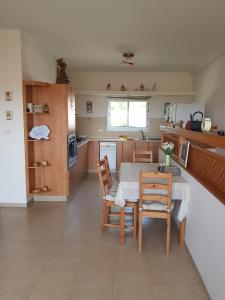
x,y
182,232
122,225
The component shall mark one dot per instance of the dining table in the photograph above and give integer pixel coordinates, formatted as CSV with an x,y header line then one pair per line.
x,y
128,190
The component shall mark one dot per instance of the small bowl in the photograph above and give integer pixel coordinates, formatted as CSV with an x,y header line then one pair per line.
x,y
36,191
45,188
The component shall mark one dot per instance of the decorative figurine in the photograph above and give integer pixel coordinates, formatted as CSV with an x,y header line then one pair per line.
x,y
123,88
154,87
61,71
142,87
108,86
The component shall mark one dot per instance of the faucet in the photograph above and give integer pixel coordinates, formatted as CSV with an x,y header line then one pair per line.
x,y
142,134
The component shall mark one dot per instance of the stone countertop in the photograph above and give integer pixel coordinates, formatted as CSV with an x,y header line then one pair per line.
x,y
121,140
113,140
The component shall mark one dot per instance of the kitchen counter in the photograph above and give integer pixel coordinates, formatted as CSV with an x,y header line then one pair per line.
x,y
121,140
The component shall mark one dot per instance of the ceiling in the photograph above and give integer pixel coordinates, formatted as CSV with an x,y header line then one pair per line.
x,y
175,35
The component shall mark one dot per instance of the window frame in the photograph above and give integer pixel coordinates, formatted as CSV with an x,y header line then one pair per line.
x,y
127,128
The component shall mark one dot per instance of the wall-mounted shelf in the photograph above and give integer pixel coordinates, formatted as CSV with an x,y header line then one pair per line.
x,y
41,192
134,93
37,113
42,140
40,166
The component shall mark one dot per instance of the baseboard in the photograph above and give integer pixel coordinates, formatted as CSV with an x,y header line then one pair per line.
x,y
13,205
51,198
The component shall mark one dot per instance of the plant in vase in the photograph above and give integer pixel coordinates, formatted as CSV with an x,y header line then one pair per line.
x,y
168,150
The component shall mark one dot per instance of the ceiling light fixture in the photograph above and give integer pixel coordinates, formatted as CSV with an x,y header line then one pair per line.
x,y
128,58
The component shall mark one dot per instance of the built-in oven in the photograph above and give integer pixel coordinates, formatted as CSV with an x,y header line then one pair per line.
x,y
72,150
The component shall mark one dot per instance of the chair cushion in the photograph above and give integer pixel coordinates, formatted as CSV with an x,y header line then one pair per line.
x,y
111,196
155,205
115,181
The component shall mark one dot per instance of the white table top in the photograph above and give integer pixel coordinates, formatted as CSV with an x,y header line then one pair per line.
x,y
129,172
128,189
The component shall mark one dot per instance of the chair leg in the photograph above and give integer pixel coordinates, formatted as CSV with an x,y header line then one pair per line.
x,y
140,232
103,215
168,235
107,208
135,221
122,225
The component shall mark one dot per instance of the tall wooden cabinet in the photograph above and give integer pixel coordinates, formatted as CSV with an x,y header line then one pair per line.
x,y
61,120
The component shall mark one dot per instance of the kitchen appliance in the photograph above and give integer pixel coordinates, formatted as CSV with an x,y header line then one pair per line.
x,y
109,149
206,124
72,150
196,122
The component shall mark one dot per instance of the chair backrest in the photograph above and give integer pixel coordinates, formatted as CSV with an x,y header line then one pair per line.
x,y
155,187
108,171
103,178
142,156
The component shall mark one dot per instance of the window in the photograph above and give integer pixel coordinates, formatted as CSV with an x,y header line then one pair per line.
x,y
127,114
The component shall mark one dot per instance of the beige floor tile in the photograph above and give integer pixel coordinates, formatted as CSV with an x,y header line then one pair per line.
x,y
52,289
199,292
92,291
61,249
70,249
62,268
91,273
132,291
41,249
175,291
29,268
15,289
130,273
5,264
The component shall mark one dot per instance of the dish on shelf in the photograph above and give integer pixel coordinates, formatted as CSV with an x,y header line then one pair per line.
x,y
36,191
40,132
35,164
44,189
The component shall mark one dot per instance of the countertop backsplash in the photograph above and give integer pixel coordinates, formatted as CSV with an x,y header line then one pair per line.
x,y
97,128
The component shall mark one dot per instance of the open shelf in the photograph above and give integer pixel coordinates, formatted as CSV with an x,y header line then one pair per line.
x,y
41,192
135,93
42,140
40,166
37,113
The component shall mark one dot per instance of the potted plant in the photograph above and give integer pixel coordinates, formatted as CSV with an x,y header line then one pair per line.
x,y
168,149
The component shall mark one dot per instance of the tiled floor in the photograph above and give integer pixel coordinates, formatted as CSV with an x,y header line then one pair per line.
x,y
56,251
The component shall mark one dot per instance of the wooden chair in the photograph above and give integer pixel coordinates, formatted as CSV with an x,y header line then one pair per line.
x,y
142,156
108,196
155,200
112,181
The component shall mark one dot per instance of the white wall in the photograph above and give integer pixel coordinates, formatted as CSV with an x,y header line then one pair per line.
x,y
37,63
99,104
92,126
97,81
209,86
205,236
12,152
